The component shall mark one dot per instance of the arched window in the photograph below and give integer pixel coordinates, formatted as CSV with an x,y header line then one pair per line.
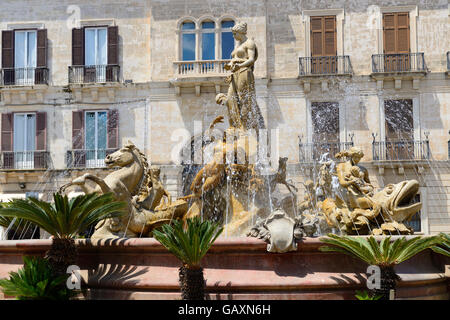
x,y
227,39
188,41
208,40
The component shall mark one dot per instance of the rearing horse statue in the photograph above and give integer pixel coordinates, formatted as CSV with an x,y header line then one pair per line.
x,y
126,183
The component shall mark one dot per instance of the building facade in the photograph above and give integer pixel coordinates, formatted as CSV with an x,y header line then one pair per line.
x,y
79,80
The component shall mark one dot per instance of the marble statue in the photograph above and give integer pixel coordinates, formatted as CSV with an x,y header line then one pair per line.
x,y
137,185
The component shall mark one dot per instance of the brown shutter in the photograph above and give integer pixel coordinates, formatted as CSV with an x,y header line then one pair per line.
x,y
78,129
113,129
7,131
396,32
78,47
41,48
329,41
113,45
8,49
8,57
316,36
41,131
40,158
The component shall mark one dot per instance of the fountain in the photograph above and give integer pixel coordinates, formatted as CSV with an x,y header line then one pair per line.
x,y
253,201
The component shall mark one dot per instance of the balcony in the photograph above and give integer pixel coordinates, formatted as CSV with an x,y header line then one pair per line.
x,y
325,66
312,152
399,62
401,150
24,76
94,74
83,158
24,160
199,74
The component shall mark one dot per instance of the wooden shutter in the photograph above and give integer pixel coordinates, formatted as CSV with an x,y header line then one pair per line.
x,y
7,140
41,131
8,57
41,48
113,45
8,49
40,156
7,131
78,129
323,36
78,47
396,32
113,129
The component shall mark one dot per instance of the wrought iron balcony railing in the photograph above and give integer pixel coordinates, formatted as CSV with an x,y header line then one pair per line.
x,y
24,76
24,160
400,150
399,62
309,152
325,65
200,68
94,74
82,158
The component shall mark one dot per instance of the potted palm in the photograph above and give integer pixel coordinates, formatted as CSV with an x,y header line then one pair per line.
x,y
189,244
385,254
64,219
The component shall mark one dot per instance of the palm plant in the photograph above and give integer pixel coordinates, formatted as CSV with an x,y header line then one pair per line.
x,y
444,247
64,219
36,281
190,245
17,228
386,254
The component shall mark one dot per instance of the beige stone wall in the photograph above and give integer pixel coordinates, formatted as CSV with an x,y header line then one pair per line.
x,y
153,114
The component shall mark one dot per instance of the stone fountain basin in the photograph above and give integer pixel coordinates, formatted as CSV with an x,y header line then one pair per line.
x,y
235,268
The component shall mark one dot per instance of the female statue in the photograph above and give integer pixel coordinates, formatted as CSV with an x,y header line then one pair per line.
x,y
243,109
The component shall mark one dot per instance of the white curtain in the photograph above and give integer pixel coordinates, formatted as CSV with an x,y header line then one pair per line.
x,y
96,51
25,56
24,140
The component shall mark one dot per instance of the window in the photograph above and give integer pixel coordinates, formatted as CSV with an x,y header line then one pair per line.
x,y
208,41
399,129
415,223
211,35
96,138
396,41
325,121
188,41
95,55
227,39
24,140
323,45
24,56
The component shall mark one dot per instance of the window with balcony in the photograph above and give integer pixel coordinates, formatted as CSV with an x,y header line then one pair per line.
x,y
399,141
324,59
325,132
24,57
24,141
204,49
95,55
94,136
397,55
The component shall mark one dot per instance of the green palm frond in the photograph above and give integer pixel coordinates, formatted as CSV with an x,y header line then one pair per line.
x,y
444,246
64,218
35,281
191,244
384,253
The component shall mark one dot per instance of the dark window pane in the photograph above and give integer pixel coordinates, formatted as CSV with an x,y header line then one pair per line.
x,y
325,120
399,120
227,45
208,46
227,24
188,26
208,25
188,47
